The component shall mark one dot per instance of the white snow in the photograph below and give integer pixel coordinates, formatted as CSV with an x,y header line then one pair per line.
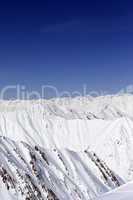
x,y
87,143
123,193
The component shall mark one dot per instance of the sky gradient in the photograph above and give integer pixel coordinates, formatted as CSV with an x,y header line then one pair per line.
x,y
67,44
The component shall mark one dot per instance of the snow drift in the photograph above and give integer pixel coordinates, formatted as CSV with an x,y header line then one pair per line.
x,y
123,193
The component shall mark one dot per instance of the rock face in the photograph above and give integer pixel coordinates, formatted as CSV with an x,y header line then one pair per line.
x,y
65,149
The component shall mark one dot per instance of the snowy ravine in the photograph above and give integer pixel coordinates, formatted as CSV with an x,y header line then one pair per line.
x,y
61,149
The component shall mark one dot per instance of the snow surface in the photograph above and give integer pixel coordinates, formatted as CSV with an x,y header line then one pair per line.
x,y
123,193
75,149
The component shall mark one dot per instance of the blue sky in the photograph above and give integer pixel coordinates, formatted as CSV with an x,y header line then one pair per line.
x,y
67,44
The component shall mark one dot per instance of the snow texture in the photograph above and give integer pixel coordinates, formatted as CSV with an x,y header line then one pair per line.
x,y
67,149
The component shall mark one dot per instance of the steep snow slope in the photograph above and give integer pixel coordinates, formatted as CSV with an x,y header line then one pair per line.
x,y
111,140
123,193
65,149
36,173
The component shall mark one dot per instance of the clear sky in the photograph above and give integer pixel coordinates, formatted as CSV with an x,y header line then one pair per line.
x,y
67,44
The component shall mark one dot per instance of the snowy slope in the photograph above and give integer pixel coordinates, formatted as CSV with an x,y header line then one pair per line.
x,y
123,193
25,169
65,149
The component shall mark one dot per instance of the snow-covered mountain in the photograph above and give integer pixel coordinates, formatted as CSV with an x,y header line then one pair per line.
x,y
61,149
